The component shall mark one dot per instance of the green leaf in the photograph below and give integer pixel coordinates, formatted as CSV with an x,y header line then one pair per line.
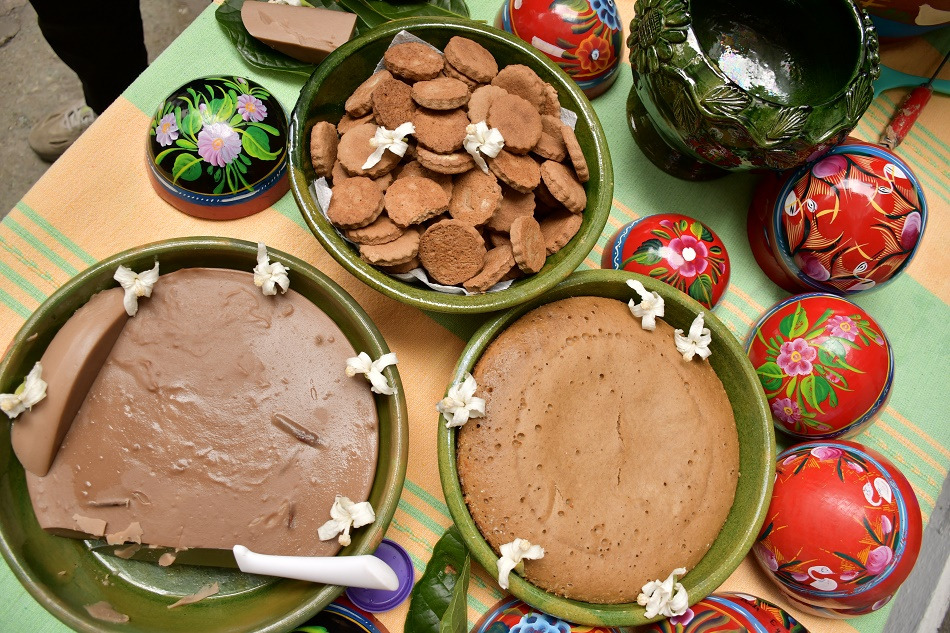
x,y
186,167
701,289
715,250
647,253
185,143
191,123
771,376
267,128
162,155
658,272
795,324
697,230
707,237
455,618
256,144
808,391
822,389
235,120
433,595
849,558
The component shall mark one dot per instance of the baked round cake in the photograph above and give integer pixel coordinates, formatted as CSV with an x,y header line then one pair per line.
x,y
602,445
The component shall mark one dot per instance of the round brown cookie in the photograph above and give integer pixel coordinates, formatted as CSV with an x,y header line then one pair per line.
x,y
480,102
551,145
323,142
400,251
476,196
381,231
338,174
354,149
347,123
471,59
514,273
558,229
527,244
412,200
498,261
576,153
522,81
393,104
517,120
455,163
452,251
452,72
414,61
520,173
384,181
360,102
442,131
514,204
401,269
441,93
545,200
564,186
550,105
496,238
415,168
356,202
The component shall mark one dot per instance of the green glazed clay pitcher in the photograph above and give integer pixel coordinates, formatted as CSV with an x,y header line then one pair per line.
x,y
733,85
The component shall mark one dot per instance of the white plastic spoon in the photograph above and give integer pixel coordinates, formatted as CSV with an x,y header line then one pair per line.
x,y
365,571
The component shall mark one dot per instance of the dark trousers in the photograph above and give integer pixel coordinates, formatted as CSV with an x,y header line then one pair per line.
x,y
101,41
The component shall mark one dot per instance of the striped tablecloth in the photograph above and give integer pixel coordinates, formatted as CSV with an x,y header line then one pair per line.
x,y
96,201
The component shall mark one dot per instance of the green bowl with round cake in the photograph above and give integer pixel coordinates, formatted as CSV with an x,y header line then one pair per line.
x,y
65,574
322,99
605,446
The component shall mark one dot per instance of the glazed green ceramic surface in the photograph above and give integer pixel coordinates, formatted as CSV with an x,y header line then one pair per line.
x,y
322,98
742,84
756,450
143,590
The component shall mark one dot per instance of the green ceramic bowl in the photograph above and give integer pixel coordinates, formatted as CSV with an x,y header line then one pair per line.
x,y
144,590
322,98
756,450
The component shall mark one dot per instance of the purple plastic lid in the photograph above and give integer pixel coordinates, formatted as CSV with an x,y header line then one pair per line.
x,y
378,600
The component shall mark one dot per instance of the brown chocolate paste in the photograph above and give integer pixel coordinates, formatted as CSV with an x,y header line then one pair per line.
x,y
179,425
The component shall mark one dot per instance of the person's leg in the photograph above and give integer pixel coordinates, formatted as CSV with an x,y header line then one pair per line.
x,y
102,42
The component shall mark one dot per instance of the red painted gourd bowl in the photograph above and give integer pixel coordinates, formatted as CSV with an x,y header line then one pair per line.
x,y
583,37
844,223
730,612
676,249
825,364
843,530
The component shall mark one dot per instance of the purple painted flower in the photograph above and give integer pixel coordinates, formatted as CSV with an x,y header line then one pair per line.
x,y
830,166
879,558
218,144
886,526
766,556
826,452
687,255
842,327
167,130
251,108
911,231
684,619
795,357
786,410
813,268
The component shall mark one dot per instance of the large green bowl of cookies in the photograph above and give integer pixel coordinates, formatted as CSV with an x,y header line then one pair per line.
x,y
468,174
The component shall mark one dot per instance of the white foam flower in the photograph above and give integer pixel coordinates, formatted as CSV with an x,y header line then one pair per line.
x,y
373,370
696,342
481,139
650,307
392,140
667,598
461,404
31,391
344,514
512,554
135,285
268,276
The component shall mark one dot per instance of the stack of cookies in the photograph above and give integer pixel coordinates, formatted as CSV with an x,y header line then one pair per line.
x,y
436,208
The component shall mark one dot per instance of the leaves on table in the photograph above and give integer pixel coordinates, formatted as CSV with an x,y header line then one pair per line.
x,y
438,602
370,13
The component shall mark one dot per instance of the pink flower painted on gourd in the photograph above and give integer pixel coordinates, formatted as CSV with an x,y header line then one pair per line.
x,y
687,255
850,575
786,410
886,526
795,357
166,132
218,144
684,619
767,557
830,166
911,231
251,108
878,560
813,268
842,327
826,452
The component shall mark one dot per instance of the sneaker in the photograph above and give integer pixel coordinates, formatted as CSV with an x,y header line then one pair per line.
x,y
53,135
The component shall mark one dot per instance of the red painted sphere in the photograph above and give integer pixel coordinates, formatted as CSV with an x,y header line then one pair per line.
x,y
583,37
511,615
825,364
843,529
730,612
846,222
676,249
